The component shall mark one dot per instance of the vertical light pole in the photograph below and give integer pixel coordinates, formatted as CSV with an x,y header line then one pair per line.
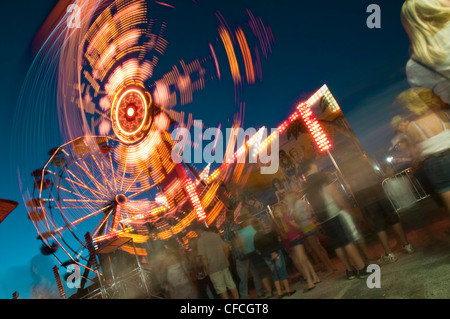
x,y
320,138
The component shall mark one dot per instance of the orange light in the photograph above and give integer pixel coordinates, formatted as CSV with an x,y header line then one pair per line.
x,y
226,39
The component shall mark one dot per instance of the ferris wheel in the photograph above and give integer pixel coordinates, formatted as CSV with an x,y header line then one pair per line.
x,y
115,176
89,185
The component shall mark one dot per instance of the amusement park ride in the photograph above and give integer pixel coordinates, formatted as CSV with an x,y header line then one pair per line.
x,y
113,186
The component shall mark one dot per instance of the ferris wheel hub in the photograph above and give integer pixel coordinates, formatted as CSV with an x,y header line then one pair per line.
x,y
131,114
121,199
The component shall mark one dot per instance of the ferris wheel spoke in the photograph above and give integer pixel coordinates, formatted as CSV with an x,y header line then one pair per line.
x,y
95,179
101,170
91,178
116,219
123,176
81,184
74,200
141,191
103,224
112,170
72,207
84,218
72,192
134,180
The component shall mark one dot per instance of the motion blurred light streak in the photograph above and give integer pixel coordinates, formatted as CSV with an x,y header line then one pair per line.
x,y
248,63
105,180
263,33
216,62
234,66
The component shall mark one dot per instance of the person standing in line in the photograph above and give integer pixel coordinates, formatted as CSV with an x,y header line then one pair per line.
x,y
270,248
214,257
240,250
301,213
205,286
327,203
177,274
376,209
290,233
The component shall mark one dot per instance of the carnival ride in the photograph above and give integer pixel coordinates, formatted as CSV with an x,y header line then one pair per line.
x,y
113,184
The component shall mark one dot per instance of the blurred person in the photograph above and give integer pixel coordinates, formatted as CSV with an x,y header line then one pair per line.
x,y
367,190
427,24
327,203
291,236
298,156
240,238
249,202
430,134
399,123
289,171
214,252
177,273
353,231
280,190
401,152
269,247
205,286
302,215
403,143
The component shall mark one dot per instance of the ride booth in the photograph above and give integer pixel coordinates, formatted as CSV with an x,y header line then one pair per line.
x,y
317,130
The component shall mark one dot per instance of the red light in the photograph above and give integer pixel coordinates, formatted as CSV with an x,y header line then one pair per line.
x,y
314,127
195,201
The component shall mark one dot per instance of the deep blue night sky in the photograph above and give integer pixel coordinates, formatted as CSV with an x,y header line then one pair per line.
x,y
316,43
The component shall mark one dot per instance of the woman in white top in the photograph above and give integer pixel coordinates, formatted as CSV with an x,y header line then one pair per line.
x,y
427,23
430,134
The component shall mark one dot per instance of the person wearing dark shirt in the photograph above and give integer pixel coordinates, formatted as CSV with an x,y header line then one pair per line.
x,y
270,248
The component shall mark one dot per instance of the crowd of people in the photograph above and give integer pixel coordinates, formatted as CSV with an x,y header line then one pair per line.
x,y
310,205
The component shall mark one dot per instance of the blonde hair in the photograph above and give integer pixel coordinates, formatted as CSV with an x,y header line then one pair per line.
x,y
420,101
422,19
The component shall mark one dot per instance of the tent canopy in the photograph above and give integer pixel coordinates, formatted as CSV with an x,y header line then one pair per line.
x,y
6,207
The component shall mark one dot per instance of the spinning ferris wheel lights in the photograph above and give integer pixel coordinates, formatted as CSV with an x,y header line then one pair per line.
x,y
115,92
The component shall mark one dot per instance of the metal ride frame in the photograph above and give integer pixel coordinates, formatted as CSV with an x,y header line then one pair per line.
x,y
414,188
118,285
